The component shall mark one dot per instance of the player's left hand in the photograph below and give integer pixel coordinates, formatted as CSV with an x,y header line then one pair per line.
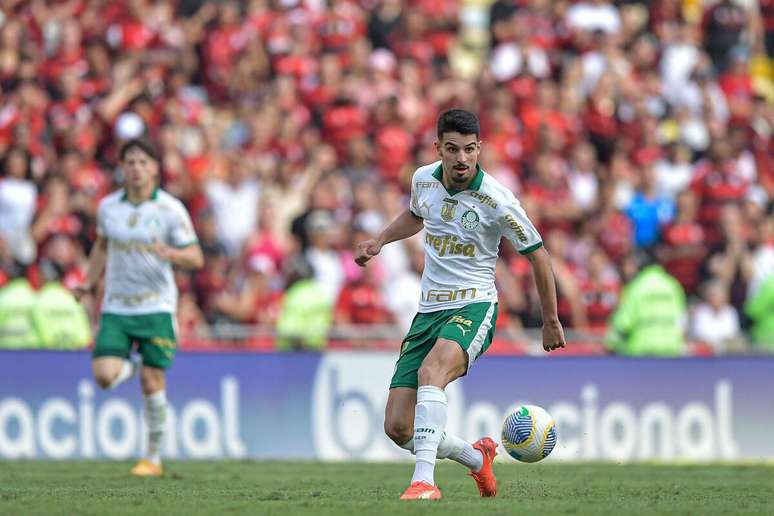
x,y
553,335
164,251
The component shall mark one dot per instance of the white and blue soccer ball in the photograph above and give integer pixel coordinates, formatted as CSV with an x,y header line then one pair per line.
x,y
529,433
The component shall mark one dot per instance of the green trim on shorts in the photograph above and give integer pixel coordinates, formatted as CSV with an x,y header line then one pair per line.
x,y
155,334
472,327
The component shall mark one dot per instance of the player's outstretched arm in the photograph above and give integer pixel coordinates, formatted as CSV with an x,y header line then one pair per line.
x,y
94,267
553,334
405,225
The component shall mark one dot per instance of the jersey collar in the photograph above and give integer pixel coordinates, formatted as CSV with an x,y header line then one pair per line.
x,y
474,185
153,196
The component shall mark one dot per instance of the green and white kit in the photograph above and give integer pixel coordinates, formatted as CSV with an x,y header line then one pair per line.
x,y
463,229
139,285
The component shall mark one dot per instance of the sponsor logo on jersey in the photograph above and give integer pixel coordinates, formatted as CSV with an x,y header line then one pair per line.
x,y
483,199
448,244
132,220
447,296
427,184
516,227
448,208
470,220
131,246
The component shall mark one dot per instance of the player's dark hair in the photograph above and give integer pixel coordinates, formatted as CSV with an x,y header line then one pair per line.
x,y
458,121
139,143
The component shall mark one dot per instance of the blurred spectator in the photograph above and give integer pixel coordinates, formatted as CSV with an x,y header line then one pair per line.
x,y
234,203
673,171
651,317
760,308
18,198
731,260
715,322
600,288
684,246
17,327
723,24
594,15
649,211
361,302
61,322
250,298
306,312
322,255
717,183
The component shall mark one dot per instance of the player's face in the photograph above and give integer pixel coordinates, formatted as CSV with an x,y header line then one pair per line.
x,y
140,169
459,155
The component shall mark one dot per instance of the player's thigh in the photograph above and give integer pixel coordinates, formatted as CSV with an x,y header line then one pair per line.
x,y
399,413
415,346
157,335
472,328
113,340
446,362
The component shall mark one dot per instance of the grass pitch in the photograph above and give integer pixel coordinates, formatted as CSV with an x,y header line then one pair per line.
x,y
286,489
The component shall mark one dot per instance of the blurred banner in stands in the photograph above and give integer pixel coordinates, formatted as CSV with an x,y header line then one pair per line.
x,y
330,406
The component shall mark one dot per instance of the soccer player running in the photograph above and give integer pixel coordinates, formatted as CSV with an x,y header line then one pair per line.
x,y
142,231
465,212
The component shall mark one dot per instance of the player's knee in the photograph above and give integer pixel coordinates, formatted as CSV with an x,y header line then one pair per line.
x,y
104,378
400,433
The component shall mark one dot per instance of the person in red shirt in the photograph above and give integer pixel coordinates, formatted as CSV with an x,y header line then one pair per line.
x,y
717,183
549,189
360,301
684,245
600,288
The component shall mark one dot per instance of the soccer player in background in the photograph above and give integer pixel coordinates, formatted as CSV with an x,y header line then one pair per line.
x,y
142,231
465,212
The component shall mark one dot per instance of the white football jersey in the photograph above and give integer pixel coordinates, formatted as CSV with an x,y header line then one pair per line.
x,y
462,236
137,281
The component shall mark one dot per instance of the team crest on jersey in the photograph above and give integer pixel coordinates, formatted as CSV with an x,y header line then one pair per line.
x,y
470,220
447,209
132,220
153,223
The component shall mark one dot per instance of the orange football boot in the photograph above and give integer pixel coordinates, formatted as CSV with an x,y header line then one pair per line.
x,y
146,468
421,491
485,479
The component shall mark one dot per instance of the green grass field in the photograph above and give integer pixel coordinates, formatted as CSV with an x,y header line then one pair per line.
x,y
372,489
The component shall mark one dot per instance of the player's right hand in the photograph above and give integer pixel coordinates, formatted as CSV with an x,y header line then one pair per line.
x,y
364,251
82,290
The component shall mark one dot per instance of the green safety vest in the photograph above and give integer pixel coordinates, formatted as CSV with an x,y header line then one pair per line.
x,y
17,329
650,316
61,322
305,317
760,308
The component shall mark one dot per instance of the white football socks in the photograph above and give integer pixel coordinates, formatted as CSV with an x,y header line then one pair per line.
x,y
459,450
155,417
456,449
128,369
429,425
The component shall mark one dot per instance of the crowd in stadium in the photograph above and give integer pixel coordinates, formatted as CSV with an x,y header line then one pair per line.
x,y
291,129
